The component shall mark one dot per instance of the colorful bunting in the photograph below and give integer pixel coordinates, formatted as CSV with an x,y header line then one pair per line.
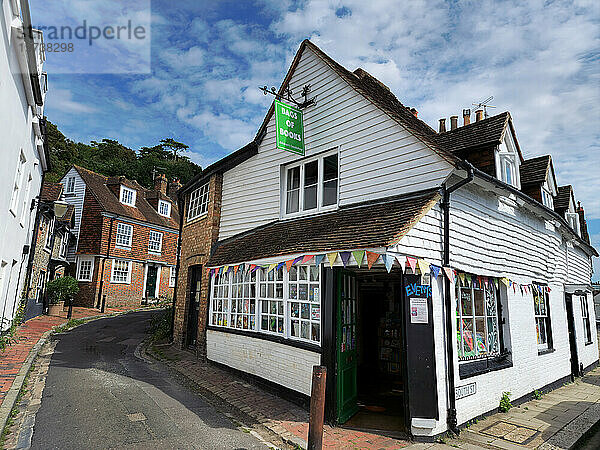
x,y
318,259
496,283
280,265
358,257
253,268
423,266
504,281
371,258
449,273
271,267
217,270
412,262
235,269
402,261
307,258
435,270
298,259
332,257
345,256
289,264
468,278
388,260
462,278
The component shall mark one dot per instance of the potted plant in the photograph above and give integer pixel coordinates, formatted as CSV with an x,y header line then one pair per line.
x,y
58,291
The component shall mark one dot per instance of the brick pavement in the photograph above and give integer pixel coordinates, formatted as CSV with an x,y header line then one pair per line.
x,y
285,419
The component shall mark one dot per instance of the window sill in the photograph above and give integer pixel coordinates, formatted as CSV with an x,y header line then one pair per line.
x,y
310,212
268,337
120,282
120,247
85,281
154,253
545,351
480,366
197,218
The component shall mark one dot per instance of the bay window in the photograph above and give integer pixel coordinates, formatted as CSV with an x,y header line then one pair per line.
x,y
271,300
542,317
477,328
311,185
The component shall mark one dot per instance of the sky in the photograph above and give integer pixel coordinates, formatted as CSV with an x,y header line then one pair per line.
x,y
195,74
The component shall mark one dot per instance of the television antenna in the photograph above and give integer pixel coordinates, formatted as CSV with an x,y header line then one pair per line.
x,y
484,104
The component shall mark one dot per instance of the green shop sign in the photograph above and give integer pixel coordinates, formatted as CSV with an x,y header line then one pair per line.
x,y
289,128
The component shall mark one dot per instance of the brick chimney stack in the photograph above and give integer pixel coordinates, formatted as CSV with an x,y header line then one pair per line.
x,y
582,223
466,116
160,183
453,122
478,115
415,112
174,186
442,126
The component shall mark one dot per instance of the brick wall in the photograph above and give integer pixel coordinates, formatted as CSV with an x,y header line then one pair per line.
x,y
91,227
197,238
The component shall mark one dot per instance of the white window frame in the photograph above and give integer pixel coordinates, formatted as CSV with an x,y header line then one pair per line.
x,y
113,271
542,317
124,196
49,232
80,262
547,199
119,241
222,296
573,219
18,183
26,199
70,185
64,240
320,185
161,205
507,154
151,234
199,199
585,316
172,276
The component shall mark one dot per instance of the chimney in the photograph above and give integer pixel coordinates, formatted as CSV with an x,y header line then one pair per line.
x,y
442,126
160,183
478,115
466,116
174,186
582,223
415,112
453,122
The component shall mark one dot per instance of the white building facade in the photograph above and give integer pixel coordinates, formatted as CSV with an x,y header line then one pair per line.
x,y
23,157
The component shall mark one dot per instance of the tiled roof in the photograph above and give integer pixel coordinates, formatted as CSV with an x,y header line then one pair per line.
x,y
535,170
561,202
109,202
368,225
51,192
477,134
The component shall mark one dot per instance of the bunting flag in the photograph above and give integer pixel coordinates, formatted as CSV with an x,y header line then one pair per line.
x,y
504,281
521,288
359,255
225,269
486,281
235,269
514,287
298,259
318,259
209,272
271,267
496,283
345,256
402,261
280,265
423,266
289,264
412,262
253,267
449,273
307,258
388,260
332,257
217,270
462,278
549,290
435,270
371,258
468,278
229,269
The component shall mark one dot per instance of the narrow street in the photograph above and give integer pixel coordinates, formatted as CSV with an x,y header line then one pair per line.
x,y
99,394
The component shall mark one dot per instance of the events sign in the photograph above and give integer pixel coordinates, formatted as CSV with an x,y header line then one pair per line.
x,y
289,128
418,310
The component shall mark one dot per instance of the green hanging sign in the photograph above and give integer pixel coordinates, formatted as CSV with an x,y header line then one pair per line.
x,y
289,128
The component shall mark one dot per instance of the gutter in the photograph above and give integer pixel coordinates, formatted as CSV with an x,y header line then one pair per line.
x,y
445,204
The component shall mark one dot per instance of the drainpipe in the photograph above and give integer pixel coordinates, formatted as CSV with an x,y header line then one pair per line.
x,y
451,416
181,209
112,219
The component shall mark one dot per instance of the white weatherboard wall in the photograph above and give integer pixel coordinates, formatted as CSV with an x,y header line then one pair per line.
x,y
17,135
279,363
75,199
378,157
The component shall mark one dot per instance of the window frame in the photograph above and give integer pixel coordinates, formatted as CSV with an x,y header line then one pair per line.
x,y
172,276
79,266
126,190
70,185
113,270
18,184
64,240
585,316
198,202
546,346
49,232
162,203
301,165
160,242
117,234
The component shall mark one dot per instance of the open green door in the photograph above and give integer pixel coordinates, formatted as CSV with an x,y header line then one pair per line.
x,y
347,361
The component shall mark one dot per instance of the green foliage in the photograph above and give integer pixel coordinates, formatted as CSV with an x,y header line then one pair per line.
x,y
8,337
160,326
111,158
72,323
505,404
537,394
61,289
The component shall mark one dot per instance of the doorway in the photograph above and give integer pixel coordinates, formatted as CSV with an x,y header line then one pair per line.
x,y
194,305
151,281
572,336
371,351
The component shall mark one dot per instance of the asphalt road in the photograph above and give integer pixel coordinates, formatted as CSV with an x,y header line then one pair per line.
x,y
98,394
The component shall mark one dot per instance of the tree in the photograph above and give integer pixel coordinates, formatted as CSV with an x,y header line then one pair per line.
x,y
173,146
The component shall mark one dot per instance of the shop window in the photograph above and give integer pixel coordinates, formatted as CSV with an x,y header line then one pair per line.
x,y
271,301
243,301
304,303
585,314
543,329
477,320
124,235
198,202
311,185
220,300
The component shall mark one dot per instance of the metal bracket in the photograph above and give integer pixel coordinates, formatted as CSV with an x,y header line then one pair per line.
x,y
287,95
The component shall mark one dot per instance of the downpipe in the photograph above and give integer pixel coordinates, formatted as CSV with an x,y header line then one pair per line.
x,y
447,190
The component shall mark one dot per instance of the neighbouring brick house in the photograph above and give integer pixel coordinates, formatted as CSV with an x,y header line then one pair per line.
x,y
48,255
126,238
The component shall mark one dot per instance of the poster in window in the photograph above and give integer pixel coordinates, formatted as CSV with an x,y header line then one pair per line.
x,y
418,310
315,312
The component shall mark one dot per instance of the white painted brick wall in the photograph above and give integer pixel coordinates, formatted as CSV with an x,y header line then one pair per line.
x,y
279,363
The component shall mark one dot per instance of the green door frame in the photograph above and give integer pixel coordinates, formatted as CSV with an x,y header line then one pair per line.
x,y
346,354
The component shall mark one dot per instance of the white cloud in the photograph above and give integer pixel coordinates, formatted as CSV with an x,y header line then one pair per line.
x,y
62,100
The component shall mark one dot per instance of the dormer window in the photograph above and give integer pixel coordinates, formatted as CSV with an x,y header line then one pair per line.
x,y
127,196
70,189
507,162
164,208
547,198
573,219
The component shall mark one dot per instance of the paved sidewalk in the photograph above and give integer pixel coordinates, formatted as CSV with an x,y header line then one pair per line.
x,y
285,419
556,421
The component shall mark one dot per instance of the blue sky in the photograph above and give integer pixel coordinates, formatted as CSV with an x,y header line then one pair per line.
x,y
540,61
